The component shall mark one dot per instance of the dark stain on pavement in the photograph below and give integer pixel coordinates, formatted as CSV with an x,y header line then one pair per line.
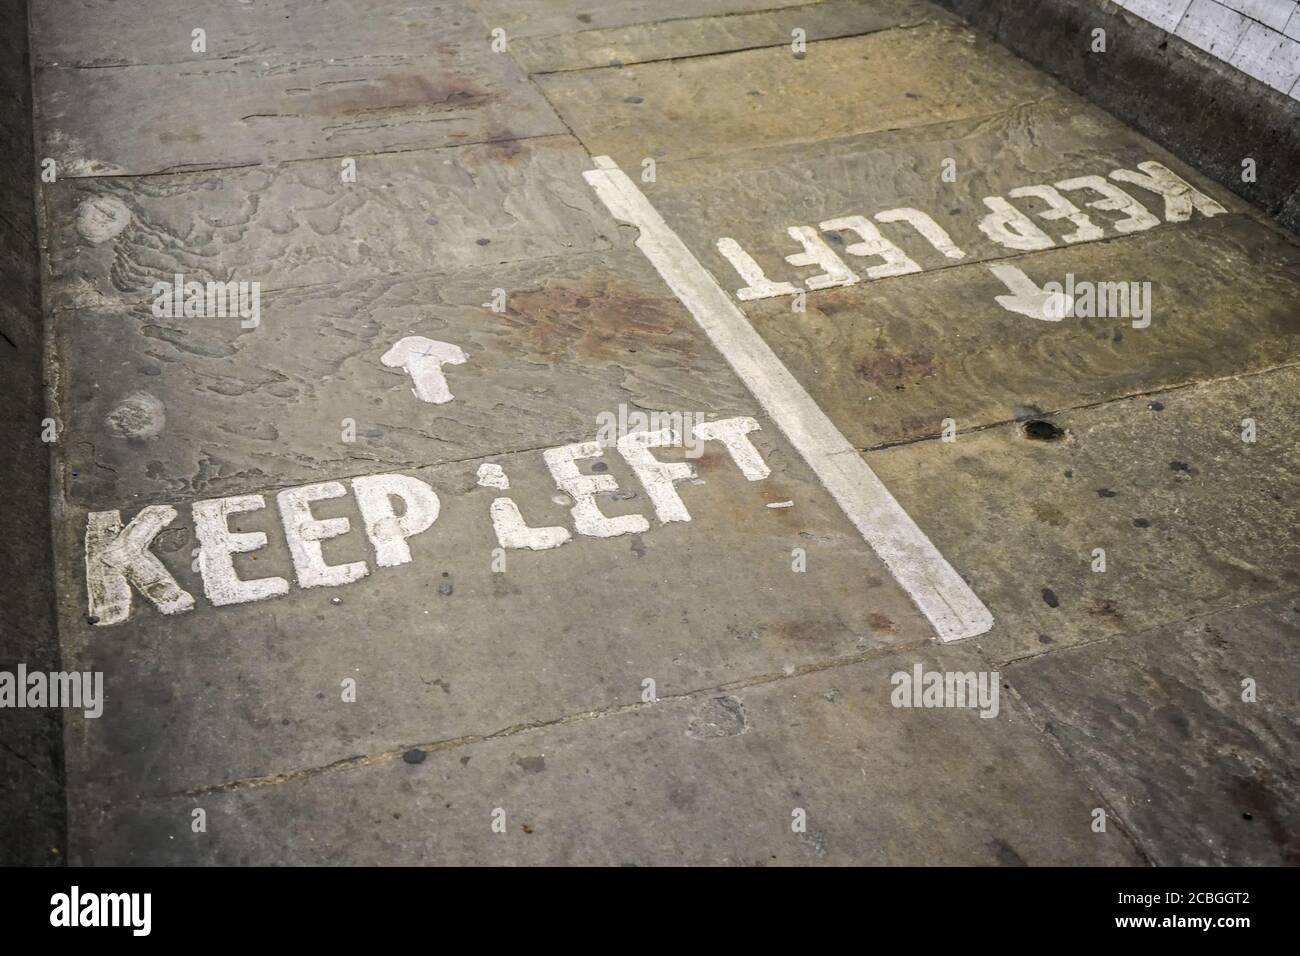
x,y
883,366
880,622
405,91
599,325
1257,800
1006,855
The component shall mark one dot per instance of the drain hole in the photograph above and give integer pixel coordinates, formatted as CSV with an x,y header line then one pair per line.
x,y
1039,429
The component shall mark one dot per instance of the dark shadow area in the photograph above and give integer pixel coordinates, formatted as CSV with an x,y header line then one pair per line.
x,y
32,806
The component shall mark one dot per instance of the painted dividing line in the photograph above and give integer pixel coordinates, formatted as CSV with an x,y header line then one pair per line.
x,y
937,590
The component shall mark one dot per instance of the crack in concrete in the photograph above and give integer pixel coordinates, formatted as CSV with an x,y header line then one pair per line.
x,y
1268,598
143,500
24,759
1072,766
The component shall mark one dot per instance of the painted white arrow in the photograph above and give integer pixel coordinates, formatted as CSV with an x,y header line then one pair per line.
x,y
1028,299
423,360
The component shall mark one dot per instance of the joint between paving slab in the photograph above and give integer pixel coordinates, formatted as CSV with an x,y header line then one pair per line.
x,y
726,15
144,500
742,49
130,304
1130,635
388,756
1078,770
864,135
1064,410
247,55
192,168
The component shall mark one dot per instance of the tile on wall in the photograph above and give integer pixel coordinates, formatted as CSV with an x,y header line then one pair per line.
x,y
1271,13
1163,13
1213,27
1269,57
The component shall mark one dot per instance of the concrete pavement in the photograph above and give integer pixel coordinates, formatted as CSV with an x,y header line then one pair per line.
x,y
625,586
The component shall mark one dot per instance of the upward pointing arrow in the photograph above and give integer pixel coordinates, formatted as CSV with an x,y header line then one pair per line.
x,y
423,360
1028,299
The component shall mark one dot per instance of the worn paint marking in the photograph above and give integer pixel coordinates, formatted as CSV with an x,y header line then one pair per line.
x,y
936,588
1004,224
1027,298
423,360
119,558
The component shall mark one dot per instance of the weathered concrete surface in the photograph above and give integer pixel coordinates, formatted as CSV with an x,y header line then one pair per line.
x,y
444,647
19,283
299,224
578,337
32,809
523,686
1203,776
705,778
671,111
1192,518
99,34
646,42
287,105
890,360
1053,139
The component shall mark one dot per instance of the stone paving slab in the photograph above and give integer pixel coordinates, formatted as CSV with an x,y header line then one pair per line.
x,y
1192,519
106,33
445,646
892,356
226,410
706,779
670,111
1201,776
892,360
677,39
221,113
754,197
111,240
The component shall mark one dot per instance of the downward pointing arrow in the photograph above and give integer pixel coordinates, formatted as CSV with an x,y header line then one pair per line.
x,y
423,360
1028,299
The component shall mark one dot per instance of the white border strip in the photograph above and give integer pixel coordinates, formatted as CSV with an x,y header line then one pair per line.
x,y
936,589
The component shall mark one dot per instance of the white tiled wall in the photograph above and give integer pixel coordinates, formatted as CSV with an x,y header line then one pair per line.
x,y
1259,37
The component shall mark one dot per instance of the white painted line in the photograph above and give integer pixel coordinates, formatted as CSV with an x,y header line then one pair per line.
x,y
937,590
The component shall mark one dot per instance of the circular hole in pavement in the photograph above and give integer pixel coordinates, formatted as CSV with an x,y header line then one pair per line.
x,y
1038,429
